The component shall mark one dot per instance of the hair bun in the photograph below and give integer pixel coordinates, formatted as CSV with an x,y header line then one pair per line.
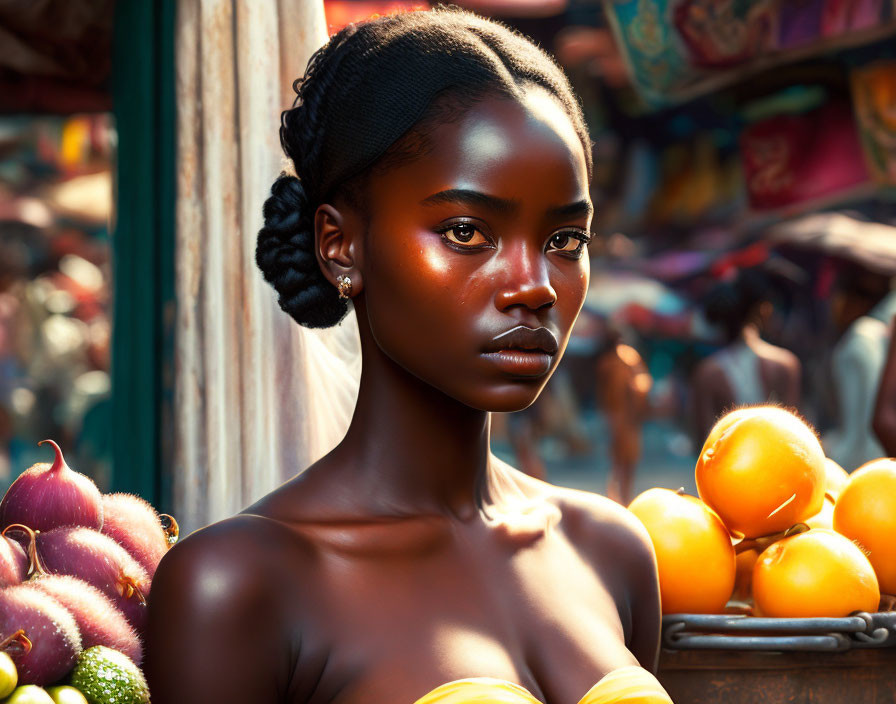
x,y
285,255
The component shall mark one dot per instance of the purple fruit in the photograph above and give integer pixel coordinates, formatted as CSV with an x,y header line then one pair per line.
x,y
136,526
13,562
99,620
39,634
100,561
47,496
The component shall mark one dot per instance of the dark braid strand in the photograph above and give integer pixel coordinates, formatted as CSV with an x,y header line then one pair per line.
x,y
285,255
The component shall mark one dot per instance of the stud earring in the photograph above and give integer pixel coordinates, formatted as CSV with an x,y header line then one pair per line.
x,y
344,284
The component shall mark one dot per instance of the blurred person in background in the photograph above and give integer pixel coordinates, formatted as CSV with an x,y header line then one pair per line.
x,y
555,415
862,307
524,430
623,384
747,370
884,420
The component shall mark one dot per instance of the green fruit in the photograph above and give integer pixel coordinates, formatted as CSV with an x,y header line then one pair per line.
x,y
106,676
66,695
29,694
9,677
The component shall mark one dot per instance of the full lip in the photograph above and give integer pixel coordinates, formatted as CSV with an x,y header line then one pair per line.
x,y
525,339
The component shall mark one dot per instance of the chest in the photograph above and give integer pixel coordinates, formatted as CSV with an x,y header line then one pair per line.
x,y
390,630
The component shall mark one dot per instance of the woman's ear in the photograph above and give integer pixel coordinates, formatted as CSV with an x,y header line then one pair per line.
x,y
337,242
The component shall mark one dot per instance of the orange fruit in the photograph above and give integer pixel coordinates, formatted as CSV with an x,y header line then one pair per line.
x,y
743,580
816,573
693,551
729,419
866,513
835,478
761,470
825,517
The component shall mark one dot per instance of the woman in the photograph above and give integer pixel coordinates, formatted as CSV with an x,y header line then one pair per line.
x,y
623,384
443,170
884,420
747,371
861,309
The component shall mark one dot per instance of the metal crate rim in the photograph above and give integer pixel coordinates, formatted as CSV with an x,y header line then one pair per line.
x,y
742,632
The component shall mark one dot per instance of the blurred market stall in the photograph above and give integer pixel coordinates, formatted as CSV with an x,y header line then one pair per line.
x,y
55,287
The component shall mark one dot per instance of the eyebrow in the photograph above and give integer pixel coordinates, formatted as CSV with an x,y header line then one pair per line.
x,y
582,208
465,196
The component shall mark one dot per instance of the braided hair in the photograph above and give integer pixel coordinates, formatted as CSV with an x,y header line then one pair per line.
x,y
367,102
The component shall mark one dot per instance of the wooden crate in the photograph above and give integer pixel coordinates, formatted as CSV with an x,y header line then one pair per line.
x,y
742,677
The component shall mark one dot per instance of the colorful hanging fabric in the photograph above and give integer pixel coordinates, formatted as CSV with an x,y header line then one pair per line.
x,y
874,96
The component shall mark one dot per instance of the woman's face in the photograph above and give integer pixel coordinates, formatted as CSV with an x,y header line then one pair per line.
x,y
474,261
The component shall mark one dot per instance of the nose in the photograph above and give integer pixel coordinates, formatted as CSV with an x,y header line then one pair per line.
x,y
525,280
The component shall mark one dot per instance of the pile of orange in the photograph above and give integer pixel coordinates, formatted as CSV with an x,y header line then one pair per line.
x,y
777,525
690,542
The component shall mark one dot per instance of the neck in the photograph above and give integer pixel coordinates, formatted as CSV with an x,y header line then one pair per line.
x,y
410,448
750,333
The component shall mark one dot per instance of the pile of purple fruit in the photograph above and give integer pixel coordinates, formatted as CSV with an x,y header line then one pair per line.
x,y
76,567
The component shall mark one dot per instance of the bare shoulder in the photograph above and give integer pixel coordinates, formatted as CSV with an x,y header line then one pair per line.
x,y
708,371
711,385
602,528
779,356
229,553
614,542
235,567
215,597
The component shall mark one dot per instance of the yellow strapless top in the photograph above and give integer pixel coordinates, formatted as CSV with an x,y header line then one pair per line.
x,y
627,685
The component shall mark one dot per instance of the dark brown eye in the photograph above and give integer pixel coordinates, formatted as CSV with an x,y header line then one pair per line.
x,y
464,234
567,242
560,241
